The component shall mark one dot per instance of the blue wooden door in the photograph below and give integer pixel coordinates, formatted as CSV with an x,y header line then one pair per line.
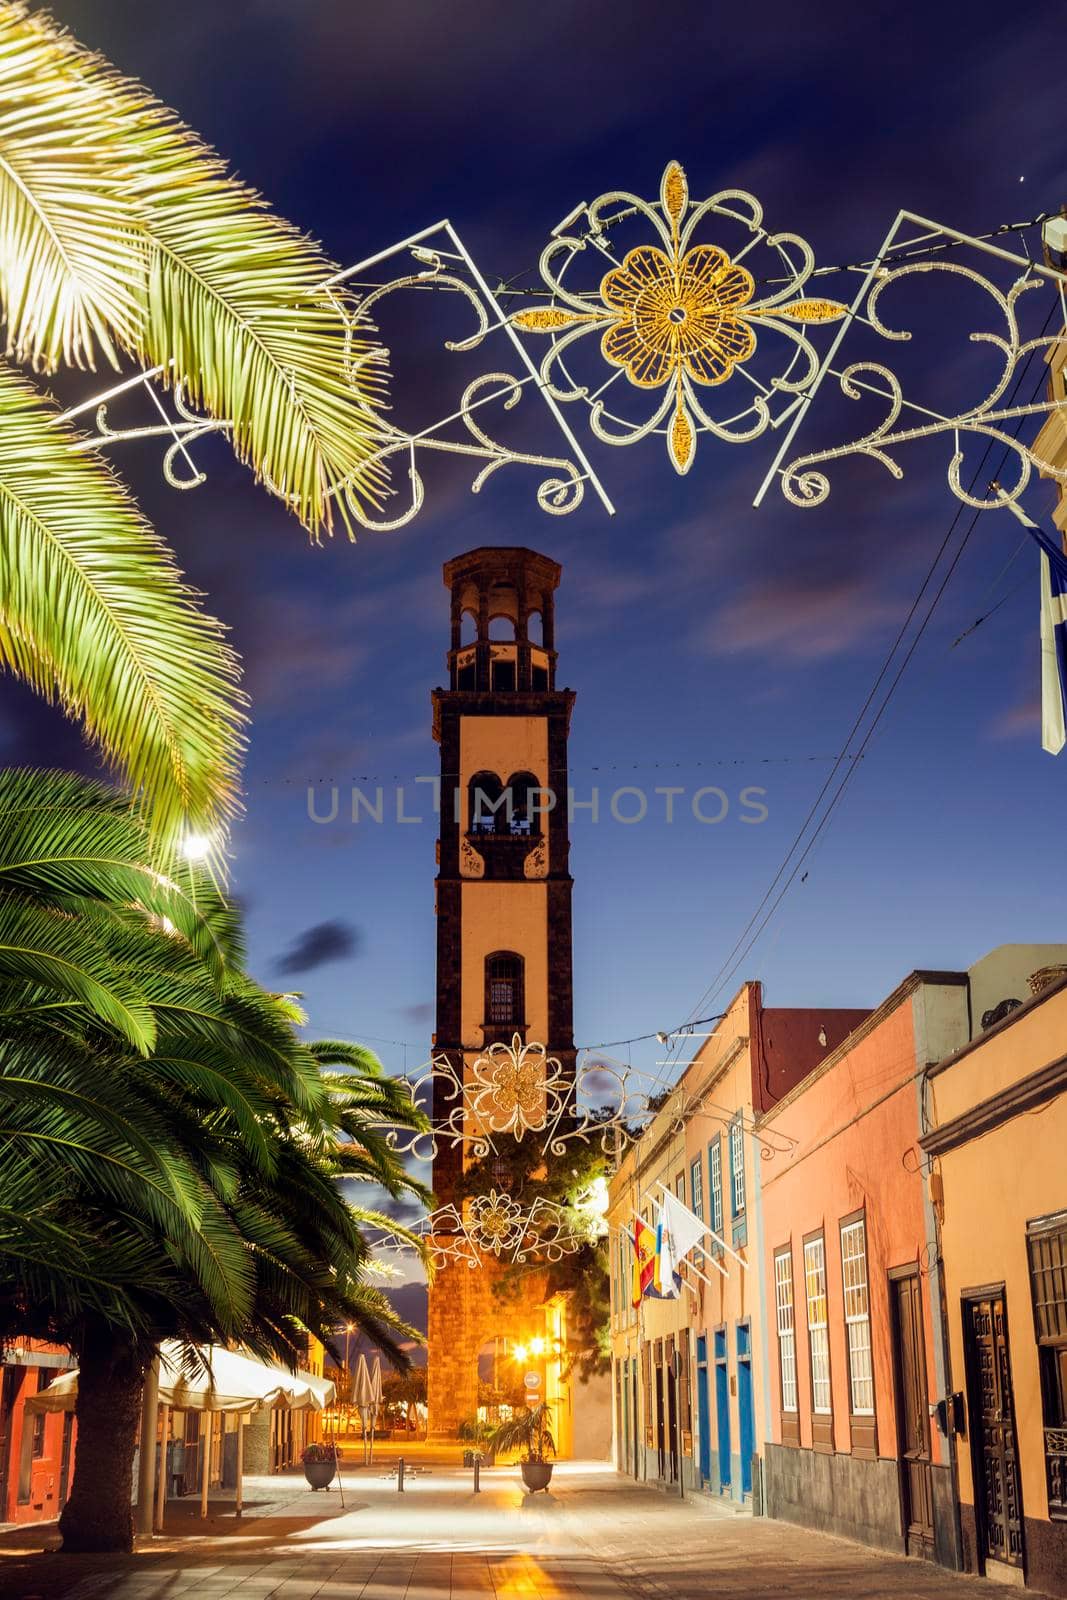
x,y
746,1415
722,1408
703,1409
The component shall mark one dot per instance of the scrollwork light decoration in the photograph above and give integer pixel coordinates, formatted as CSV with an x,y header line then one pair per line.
x,y
804,484
558,494
678,316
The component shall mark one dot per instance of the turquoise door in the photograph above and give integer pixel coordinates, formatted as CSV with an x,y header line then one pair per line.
x,y
746,1415
722,1408
703,1410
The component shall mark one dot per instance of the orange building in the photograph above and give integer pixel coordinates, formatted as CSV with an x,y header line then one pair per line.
x,y
997,1140
36,1451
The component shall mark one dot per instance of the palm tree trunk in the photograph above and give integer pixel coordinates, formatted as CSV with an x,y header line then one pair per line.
x,y
111,1369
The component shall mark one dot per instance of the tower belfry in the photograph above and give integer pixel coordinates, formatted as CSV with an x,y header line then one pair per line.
x,y
503,895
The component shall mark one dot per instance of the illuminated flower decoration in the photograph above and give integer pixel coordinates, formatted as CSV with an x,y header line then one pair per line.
x,y
676,316
515,1088
494,1222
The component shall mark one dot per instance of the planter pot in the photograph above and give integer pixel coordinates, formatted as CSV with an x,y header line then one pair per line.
x,y
536,1475
320,1474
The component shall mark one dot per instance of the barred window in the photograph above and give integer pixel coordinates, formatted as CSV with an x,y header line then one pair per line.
x,y
504,989
1047,1245
818,1332
715,1180
787,1337
857,1317
696,1187
737,1165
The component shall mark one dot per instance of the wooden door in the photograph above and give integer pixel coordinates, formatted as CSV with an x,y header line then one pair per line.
x,y
994,1447
913,1414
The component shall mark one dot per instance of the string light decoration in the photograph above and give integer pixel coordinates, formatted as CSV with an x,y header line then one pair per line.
x,y
706,323
514,1090
494,1224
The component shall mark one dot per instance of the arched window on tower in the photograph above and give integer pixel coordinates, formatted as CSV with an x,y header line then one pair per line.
x,y
526,798
488,805
505,1000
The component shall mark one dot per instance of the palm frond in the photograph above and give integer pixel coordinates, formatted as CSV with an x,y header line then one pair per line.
x,y
72,257
58,952
186,266
94,615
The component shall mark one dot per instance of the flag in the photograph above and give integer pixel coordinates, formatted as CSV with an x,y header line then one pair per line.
x,y
666,1280
682,1226
644,1242
1053,652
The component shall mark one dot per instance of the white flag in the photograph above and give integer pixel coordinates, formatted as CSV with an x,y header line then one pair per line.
x,y
1053,656
681,1225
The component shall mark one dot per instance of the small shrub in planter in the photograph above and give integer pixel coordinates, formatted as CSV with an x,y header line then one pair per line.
x,y
320,1465
530,1432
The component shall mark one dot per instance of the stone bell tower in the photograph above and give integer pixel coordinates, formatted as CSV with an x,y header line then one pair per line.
x,y
503,902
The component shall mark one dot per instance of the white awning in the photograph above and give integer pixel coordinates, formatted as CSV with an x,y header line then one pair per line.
x,y
217,1380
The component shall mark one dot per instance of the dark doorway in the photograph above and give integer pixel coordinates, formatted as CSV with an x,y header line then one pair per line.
x,y
661,1421
913,1415
672,1413
991,1407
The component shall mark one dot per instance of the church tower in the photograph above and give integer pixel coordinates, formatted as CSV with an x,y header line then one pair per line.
x,y
503,899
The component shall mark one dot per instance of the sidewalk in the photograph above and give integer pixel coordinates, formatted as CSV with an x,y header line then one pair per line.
x,y
596,1536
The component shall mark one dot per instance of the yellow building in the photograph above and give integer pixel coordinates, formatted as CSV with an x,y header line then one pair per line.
x,y
689,1373
997,1117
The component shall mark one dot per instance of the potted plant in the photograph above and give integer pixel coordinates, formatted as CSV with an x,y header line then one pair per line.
x,y
320,1464
529,1431
474,1431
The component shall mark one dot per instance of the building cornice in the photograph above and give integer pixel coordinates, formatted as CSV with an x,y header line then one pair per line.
x,y
1028,1094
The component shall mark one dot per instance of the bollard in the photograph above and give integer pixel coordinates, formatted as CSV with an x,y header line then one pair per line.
x,y
400,1476
477,1474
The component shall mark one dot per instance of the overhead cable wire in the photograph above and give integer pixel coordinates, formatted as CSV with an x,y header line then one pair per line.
x,y
726,970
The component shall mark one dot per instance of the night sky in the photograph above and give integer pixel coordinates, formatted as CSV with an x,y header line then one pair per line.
x,y
710,643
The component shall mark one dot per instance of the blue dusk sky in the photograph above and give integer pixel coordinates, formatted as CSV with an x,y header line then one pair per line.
x,y
710,644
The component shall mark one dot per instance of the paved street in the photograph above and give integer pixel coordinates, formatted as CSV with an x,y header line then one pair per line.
x,y
597,1536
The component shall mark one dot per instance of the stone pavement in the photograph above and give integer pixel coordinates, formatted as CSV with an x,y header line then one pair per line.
x,y
595,1537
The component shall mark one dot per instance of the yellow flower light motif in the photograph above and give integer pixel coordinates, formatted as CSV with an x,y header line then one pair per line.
x,y
676,315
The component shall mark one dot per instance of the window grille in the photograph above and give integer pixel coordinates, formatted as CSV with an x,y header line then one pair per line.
x,y
787,1337
818,1331
857,1317
696,1187
737,1165
715,1178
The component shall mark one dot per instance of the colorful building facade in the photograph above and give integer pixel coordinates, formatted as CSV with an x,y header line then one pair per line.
x,y
997,1151
36,1450
689,1395
850,1271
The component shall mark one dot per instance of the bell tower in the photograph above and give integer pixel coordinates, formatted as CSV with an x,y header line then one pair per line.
x,y
503,898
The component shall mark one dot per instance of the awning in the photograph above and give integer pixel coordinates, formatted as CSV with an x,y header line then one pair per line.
x,y
220,1380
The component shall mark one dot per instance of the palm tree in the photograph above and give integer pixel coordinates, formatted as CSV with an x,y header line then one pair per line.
x,y
171,1153
122,237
